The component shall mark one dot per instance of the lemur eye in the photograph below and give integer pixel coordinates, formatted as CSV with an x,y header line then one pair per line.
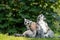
x,y
27,23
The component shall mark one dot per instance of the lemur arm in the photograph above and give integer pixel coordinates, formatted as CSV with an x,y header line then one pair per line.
x,y
47,28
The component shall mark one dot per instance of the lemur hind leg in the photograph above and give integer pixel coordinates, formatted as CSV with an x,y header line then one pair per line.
x,y
29,33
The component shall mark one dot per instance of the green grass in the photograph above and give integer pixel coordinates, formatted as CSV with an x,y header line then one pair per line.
x,y
6,37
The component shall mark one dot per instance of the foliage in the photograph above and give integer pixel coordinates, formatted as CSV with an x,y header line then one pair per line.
x,y
11,11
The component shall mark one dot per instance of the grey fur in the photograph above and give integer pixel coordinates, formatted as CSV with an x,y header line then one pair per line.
x,y
29,32
49,33
27,23
39,32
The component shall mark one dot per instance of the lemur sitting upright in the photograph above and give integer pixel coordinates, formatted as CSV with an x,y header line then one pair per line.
x,y
47,32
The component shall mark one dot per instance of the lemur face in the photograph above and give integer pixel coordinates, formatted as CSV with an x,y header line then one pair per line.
x,y
27,22
41,17
30,24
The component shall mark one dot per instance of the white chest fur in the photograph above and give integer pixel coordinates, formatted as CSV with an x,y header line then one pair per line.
x,y
43,25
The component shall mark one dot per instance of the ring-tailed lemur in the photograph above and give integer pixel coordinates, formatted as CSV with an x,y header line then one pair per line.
x,y
31,29
27,23
47,32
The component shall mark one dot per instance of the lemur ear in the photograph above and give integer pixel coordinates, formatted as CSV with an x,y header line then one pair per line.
x,y
25,21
